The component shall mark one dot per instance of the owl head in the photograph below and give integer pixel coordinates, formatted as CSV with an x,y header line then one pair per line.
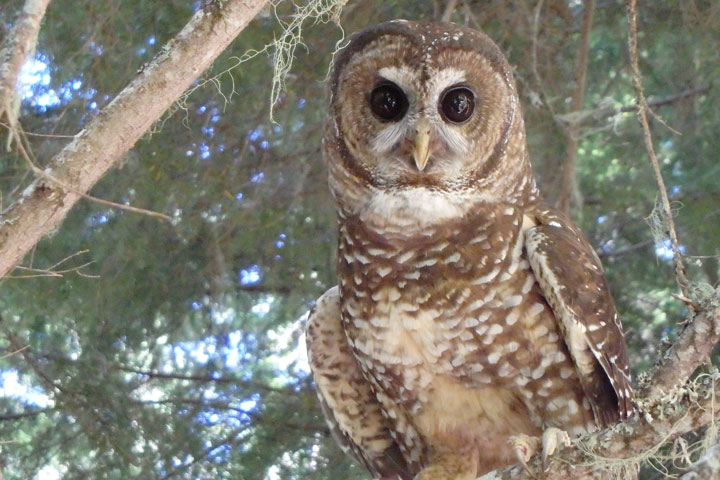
x,y
423,117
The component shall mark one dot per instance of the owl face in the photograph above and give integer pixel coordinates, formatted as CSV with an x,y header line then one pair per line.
x,y
422,105
424,124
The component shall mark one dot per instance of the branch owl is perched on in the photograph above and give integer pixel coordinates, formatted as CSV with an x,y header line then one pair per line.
x,y
469,314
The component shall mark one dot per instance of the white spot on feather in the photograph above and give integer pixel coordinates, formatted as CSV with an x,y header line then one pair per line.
x,y
453,258
486,278
495,329
513,301
512,317
535,309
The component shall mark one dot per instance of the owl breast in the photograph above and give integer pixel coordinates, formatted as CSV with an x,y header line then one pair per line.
x,y
449,326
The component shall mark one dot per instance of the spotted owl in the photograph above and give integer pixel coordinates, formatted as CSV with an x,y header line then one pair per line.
x,y
468,313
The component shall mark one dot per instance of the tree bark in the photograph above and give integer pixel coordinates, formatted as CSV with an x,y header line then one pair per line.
x,y
691,349
21,43
118,126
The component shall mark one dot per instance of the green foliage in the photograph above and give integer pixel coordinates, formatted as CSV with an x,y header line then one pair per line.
x,y
174,353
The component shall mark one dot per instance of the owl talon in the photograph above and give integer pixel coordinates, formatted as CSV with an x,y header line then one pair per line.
x,y
552,439
525,447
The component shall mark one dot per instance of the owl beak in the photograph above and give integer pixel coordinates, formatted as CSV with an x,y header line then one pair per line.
x,y
422,144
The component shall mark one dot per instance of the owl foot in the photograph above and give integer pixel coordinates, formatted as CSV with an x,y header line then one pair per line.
x,y
552,439
525,446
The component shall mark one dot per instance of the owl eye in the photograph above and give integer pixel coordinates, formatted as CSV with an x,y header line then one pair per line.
x,y
388,102
457,104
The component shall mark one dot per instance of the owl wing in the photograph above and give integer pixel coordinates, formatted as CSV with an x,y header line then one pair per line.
x,y
347,400
571,277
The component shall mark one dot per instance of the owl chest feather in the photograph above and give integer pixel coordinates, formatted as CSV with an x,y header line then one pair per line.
x,y
438,300
452,328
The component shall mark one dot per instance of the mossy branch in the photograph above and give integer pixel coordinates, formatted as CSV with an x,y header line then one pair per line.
x,y
616,452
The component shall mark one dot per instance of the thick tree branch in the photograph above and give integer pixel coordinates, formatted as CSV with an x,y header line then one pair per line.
x,y
662,420
115,130
691,349
20,45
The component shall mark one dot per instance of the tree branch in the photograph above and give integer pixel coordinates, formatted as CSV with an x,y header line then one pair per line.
x,y
118,126
625,250
583,117
691,349
30,360
21,43
567,179
662,420
449,9
643,108
205,379
29,413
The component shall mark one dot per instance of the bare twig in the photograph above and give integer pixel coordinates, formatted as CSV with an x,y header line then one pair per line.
x,y
470,16
642,109
694,306
567,179
625,250
26,353
595,114
205,379
14,352
20,45
43,135
38,272
52,271
40,173
535,34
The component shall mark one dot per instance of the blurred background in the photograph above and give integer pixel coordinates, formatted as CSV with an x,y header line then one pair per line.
x,y
175,350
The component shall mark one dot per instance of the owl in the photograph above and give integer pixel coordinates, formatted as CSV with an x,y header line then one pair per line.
x,y
470,319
